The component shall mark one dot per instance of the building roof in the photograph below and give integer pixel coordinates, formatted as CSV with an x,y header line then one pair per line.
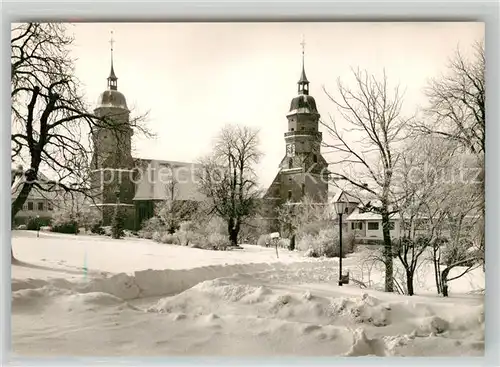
x,y
112,98
357,215
157,176
303,103
342,195
35,192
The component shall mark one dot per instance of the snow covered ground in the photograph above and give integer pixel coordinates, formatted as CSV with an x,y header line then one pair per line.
x,y
142,298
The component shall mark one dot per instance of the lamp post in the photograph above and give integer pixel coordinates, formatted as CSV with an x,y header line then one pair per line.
x,y
340,208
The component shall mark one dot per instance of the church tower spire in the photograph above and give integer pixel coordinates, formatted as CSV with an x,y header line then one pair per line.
x,y
112,79
303,83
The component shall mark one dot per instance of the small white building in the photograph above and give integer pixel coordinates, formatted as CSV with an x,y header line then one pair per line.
x,y
368,225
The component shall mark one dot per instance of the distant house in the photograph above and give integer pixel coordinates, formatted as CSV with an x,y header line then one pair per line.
x,y
364,225
368,225
39,203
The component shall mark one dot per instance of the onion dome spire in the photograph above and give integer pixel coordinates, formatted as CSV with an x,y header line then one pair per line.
x,y
112,79
303,83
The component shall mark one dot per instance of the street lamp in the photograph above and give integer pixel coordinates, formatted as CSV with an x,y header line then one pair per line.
x,y
340,207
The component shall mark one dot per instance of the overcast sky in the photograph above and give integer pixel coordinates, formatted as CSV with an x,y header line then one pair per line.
x,y
194,78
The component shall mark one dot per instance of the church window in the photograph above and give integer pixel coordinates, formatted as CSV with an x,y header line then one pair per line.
x,y
289,194
302,128
303,189
290,163
30,205
315,158
40,206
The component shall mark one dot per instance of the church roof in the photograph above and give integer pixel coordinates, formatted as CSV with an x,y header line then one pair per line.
x,y
112,98
158,175
303,103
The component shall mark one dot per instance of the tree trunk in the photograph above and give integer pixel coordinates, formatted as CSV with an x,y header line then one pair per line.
x,y
388,258
233,237
233,228
409,282
292,243
436,271
16,206
444,282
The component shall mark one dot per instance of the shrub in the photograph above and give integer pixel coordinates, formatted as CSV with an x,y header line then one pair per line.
x,y
34,223
169,238
284,243
189,238
118,224
68,227
96,228
264,240
218,241
326,243
187,226
156,236
152,225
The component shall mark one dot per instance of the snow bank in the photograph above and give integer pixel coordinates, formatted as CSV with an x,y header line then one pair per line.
x,y
35,301
151,283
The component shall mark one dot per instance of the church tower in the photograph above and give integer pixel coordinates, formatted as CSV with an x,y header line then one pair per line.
x,y
303,171
112,163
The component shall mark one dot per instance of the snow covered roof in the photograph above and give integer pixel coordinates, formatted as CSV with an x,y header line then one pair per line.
x,y
343,196
35,193
357,215
158,174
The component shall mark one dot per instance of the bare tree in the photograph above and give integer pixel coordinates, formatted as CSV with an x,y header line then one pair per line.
x,y
228,179
421,197
51,122
457,102
457,112
373,112
306,216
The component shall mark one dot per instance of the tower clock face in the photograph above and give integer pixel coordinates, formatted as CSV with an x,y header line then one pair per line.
x,y
290,150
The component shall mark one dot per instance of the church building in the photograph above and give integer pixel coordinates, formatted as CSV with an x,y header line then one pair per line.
x,y
120,180
136,184
303,171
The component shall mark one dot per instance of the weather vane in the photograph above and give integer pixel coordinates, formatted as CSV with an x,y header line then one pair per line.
x,y
303,44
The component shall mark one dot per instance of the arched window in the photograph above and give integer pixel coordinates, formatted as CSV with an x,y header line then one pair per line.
x,y
315,158
290,162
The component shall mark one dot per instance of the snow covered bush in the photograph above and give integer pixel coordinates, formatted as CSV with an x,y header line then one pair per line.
x,y
150,226
284,243
264,240
169,238
96,228
218,241
33,223
325,243
187,226
118,225
156,236
64,222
